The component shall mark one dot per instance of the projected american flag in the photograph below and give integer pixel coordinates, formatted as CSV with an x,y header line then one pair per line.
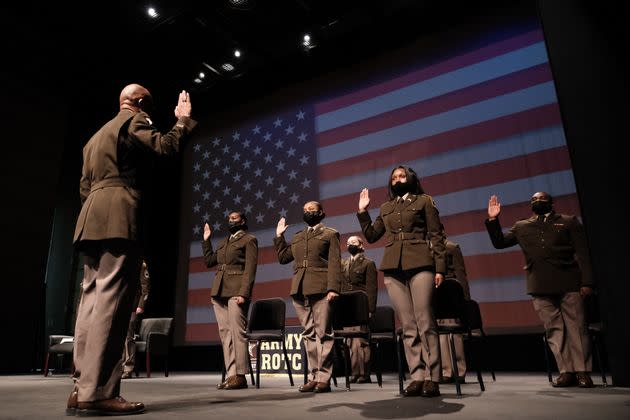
x,y
481,122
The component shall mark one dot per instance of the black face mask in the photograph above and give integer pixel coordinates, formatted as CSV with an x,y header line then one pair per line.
x,y
401,188
353,249
312,218
541,207
234,227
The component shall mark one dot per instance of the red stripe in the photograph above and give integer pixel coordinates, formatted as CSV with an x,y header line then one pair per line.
x,y
509,314
483,132
519,167
456,224
490,89
455,63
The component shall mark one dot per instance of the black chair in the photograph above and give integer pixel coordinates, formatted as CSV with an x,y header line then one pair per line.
x,y
383,329
266,323
596,329
59,345
475,323
155,340
350,309
452,318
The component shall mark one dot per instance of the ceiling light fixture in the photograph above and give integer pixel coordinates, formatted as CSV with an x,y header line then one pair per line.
x,y
152,13
227,67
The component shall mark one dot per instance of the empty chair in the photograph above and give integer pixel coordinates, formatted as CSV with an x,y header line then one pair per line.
x,y
59,345
383,329
266,323
452,318
350,309
475,323
155,340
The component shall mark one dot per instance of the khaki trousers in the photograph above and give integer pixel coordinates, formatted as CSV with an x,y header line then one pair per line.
x,y
232,321
563,318
129,355
360,354
445,352
111,273
315,317
411,298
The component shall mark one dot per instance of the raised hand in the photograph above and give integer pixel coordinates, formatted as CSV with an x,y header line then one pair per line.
x,y
364,200
183,107
494,207
207,232
282,226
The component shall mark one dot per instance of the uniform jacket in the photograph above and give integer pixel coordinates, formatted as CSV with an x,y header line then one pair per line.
x,y
317,256
143,288
556,255
413,233
455,267
237,259
112,161
360,274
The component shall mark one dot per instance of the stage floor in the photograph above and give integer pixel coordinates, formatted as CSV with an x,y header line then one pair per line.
x,y
194,396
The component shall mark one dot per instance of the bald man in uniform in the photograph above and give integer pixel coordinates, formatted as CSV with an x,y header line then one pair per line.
x,y
107,233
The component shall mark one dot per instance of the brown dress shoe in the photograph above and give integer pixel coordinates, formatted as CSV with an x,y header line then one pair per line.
x,y
365,379
236,382
447,380
224,383
308,387
354,379
71,408
430,389
565,380
414,389
321,387
584,380
113,407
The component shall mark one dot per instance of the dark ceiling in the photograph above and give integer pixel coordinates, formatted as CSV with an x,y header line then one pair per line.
x,y
95,48
97,43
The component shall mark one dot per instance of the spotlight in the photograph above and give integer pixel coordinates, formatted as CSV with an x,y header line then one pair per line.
x,y
202,75
237,53
227,67
152,13
197,80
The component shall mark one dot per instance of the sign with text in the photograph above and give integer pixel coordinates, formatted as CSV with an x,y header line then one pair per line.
x,y
271,356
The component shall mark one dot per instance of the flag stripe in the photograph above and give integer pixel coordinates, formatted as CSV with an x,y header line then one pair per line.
x,y
429,72
499,106
486,90
487,131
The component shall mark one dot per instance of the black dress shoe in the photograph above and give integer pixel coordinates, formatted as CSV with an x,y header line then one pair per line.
x,y
365,379
430,389
584,380
112,407
566,379
321,387
355,379
71,408
236,382
447,380
414,389
308,387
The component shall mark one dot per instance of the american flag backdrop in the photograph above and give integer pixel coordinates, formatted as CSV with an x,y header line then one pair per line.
x,y
482,122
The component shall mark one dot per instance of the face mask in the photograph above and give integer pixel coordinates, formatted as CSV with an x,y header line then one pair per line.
x,y
234,227
401,188
541,207
312,218
353,249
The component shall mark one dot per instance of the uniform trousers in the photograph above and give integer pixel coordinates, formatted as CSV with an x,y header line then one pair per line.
x,y
232,321
410,294
563,318
111,273
314,313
